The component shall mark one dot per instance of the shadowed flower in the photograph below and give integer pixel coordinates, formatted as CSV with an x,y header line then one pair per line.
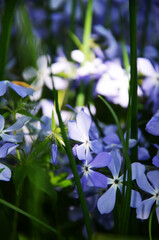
x,y
5,173
16,126
21,90
6,149
41,75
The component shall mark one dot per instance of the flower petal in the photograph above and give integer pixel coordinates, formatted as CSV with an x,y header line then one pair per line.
x,y
153,125
29,73
144,208
106,202
143,154
82,154
21,91
84,124
98,179
145,67
135,199
155,161
3,88
5,175
153,177
96,146
112,138
84,181
18,124
1,122
6,149
12,138
53,153
101,160
73,131
137,170
115,164
144,184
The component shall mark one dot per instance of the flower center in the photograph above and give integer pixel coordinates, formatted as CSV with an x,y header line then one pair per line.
x,y
116,181
86,169
157,197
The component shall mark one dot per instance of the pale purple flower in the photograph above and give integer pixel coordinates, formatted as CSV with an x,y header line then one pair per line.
x,y
110,41
41,75
114,84
150,83
79,131
7,148
150,184
20,90
16,126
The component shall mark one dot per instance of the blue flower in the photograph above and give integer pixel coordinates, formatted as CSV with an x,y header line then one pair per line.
x,y
113,142
20,90
107,201
6,149
79,131
143,210
53,134
91,177
16,126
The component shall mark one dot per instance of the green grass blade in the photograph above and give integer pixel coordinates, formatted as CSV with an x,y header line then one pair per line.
x,y
87,29
133,80
9,205
126,201
7,22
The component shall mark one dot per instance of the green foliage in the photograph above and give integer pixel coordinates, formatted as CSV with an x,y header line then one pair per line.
x,y
7,22
60,180
39,177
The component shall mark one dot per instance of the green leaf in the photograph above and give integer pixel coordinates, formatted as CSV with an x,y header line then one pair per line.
x,y
76,40
39,148
39,177
1,170
60,180
53,121
19,175
87,29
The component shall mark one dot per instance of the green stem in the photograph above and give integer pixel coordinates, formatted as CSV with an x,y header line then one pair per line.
x,y
74,170
133,81
81,97
150,222
87,30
